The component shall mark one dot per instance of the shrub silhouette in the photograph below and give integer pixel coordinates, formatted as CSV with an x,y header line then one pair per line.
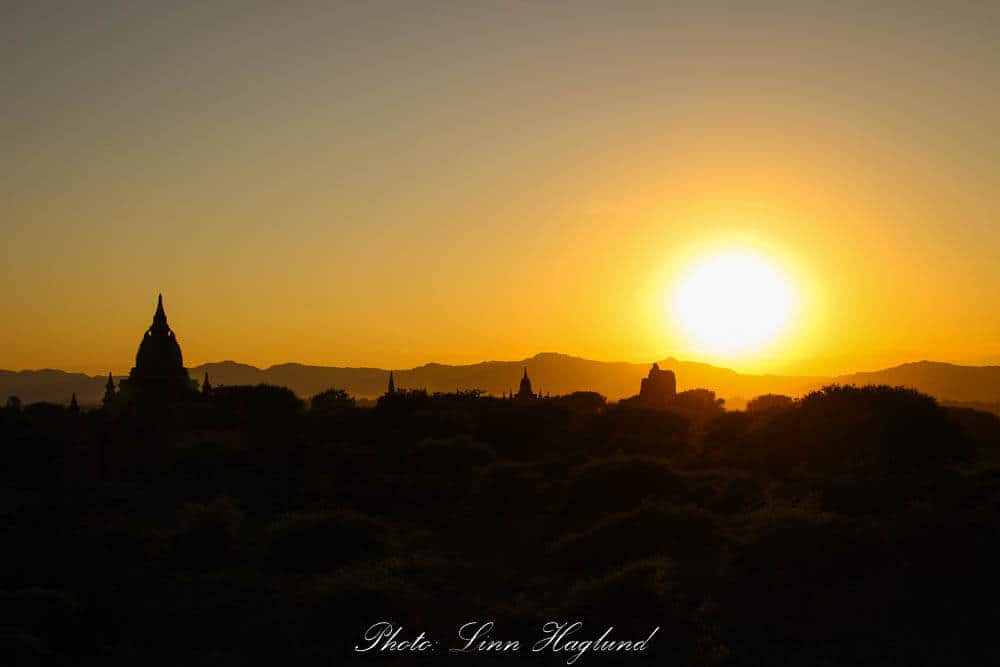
x,y
260,405
739,493
208,538
45,618
453,455
802,572
830,531
638,431
651,530
697,404
329,612
634,599
507,490
636,590
874,429
331,401
727,437
982,427
320,542
769,402
404,400
810,546
616,485
585,402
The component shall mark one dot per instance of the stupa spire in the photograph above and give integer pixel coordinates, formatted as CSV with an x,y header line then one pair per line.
x,y
109,390
524,391
160,316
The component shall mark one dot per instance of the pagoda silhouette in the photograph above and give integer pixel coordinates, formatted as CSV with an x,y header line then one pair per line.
x,y
159,371
524,391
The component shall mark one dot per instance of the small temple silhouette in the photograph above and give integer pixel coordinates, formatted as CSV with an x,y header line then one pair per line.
x,y
524,392
657,388
109,391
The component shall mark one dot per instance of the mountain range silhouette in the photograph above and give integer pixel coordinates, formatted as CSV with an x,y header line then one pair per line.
x,y
551,373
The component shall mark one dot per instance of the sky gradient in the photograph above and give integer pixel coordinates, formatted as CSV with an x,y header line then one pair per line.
x,y
390,184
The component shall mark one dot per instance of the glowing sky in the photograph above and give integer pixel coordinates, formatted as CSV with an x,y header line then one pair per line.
x,y
395,183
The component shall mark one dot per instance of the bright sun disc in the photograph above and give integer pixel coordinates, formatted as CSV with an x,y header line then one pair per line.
x,y
733,303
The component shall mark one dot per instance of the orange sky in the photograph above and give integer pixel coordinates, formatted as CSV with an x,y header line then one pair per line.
x,y
395,184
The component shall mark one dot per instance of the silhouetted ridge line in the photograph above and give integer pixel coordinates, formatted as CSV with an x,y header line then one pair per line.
x,y
556,373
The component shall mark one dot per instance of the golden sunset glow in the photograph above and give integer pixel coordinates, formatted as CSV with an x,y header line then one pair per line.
x,y
386,195
733,303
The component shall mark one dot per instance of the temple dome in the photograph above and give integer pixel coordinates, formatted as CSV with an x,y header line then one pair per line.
x,y
159,356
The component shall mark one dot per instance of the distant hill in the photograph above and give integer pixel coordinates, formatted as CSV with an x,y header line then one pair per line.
x,y
52,385
945,381
550,373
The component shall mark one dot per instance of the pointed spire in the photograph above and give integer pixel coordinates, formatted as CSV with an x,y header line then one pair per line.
x,y
109,390
74,407
392,384
206,386
524,390
160,317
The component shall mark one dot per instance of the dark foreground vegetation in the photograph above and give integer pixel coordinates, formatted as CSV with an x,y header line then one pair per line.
x,y
852,527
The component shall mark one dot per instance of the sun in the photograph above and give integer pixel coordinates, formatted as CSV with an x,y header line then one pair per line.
x,y
733,303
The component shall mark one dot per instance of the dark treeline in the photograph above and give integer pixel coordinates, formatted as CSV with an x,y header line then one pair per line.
x,y
245,526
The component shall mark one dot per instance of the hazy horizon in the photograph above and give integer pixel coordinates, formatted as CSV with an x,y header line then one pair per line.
x,y
124,371
804,368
